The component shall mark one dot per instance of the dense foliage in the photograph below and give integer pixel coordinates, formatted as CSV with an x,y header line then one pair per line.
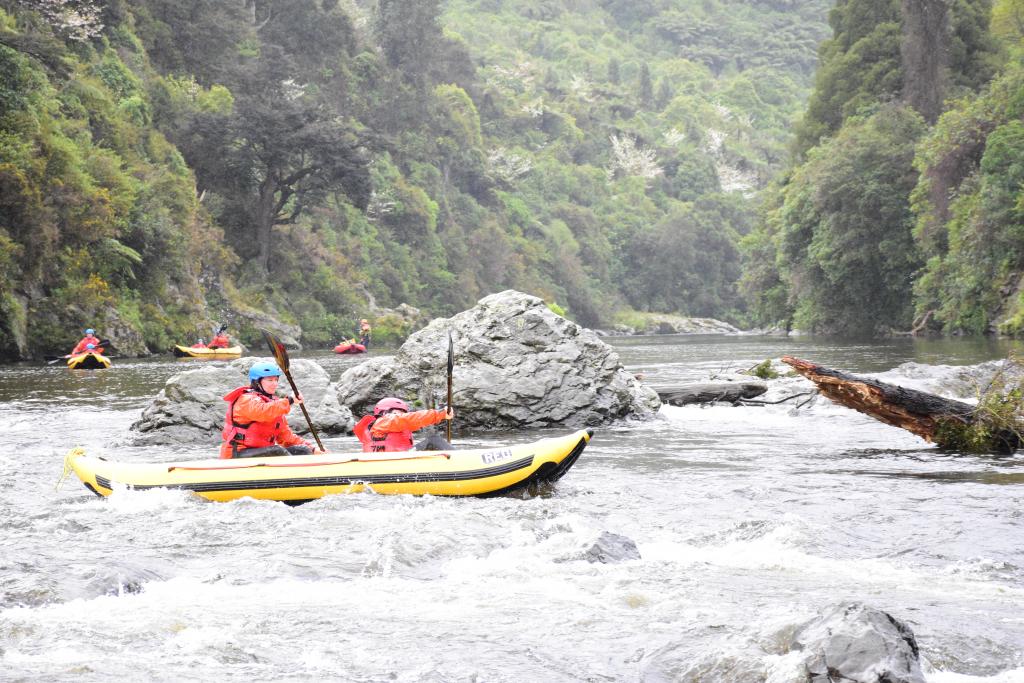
x,y
169,164
904,209
165,164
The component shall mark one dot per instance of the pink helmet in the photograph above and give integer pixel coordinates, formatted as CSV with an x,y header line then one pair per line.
x,y
390,403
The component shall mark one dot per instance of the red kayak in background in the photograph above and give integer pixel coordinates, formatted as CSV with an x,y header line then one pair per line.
x,y
349,347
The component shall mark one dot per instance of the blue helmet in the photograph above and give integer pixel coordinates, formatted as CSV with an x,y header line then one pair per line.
x,y
90,346
90,331
261,370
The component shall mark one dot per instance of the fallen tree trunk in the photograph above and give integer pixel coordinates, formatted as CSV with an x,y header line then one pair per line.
x,y
708,392
935,419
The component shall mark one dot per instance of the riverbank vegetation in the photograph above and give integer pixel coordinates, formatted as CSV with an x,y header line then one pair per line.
x,y
165,165
903,209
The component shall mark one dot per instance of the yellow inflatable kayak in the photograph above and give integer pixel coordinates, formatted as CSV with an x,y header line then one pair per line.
x,y
89,361
189,352
300,478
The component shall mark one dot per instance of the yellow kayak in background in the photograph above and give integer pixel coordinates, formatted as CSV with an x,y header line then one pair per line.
x,y
89,361
189,352
300,478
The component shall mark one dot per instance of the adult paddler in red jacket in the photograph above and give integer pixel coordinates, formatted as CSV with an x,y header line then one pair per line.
x,y
255,424
391,426
220,341
89,338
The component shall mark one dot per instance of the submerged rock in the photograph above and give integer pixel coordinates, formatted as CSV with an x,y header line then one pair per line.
x,y
517,365
854,643
611,548
190,407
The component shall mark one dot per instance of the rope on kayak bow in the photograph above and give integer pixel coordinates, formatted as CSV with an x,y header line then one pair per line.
x,y
75,452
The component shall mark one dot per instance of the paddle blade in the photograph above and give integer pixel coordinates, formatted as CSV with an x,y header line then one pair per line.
x,y
451,353
276,348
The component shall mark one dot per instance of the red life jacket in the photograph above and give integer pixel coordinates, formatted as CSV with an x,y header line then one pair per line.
x,y
390,442
87,339
252,434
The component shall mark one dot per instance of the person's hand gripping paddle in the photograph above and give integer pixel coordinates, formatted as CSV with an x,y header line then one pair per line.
x,y
281,356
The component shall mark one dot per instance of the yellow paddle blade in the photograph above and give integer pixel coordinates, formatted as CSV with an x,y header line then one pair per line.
x,y
276,348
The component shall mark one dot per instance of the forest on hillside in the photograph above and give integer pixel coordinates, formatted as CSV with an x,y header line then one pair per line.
x,y
903,209
169,165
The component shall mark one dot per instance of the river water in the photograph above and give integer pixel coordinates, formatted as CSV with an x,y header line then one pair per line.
x,y
749,521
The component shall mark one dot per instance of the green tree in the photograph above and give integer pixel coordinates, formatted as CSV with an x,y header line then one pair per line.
x,y
859,67
847,243
285,156
645,87
970,213
410,35
614,77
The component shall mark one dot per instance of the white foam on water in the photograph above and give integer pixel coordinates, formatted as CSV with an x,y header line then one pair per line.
x,y
53,655
789,667
1010,676
779,551
198,638
127,501
845,426
977,567
785,668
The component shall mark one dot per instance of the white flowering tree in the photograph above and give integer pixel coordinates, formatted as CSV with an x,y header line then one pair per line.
x,y
629,159
507,166
77,20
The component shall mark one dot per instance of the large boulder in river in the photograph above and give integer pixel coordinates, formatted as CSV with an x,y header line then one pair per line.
x,y
517,365
860,644
190,407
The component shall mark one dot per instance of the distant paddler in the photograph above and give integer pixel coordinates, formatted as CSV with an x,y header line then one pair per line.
x,y
83,345
220,340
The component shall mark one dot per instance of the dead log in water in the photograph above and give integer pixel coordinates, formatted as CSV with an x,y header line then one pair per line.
x,y
935,419
708,392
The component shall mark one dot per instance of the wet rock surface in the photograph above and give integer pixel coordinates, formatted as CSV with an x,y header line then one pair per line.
x,y
854,643
517,366
190,408
610,548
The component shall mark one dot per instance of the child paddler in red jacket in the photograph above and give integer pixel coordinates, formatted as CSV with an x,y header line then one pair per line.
x,y
89,338
391,426
255,424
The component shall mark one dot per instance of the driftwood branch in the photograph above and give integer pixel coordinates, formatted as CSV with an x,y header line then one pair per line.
x,y
916,329
918,412
781,400
709,392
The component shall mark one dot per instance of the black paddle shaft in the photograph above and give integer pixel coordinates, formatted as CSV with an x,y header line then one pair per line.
x,y
304,412
281,356
451,366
